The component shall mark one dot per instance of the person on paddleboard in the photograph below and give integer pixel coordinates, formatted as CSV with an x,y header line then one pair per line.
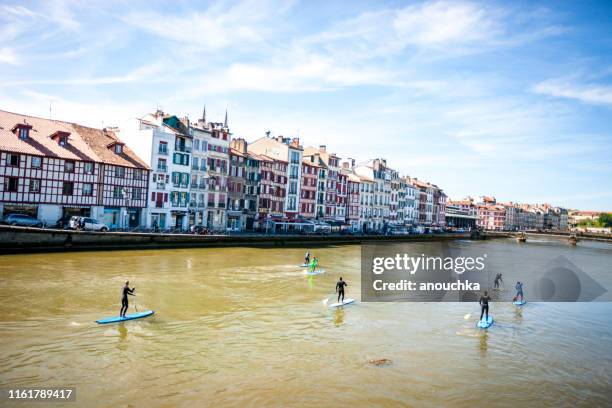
x,y
340,289
124,298
307,258
519,290
313,264
498,279
484,305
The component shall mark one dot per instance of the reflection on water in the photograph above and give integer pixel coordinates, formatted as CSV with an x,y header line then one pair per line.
x,y
338,316
244,326
484,342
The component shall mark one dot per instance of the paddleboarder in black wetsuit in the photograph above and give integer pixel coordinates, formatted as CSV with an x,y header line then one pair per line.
x,y
484,305
124,298
340,289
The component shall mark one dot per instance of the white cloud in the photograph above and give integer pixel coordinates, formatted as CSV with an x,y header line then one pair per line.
x,y
240,26
588,93
8,56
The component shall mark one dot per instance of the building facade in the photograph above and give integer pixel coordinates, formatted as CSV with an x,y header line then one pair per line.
x,y
53,170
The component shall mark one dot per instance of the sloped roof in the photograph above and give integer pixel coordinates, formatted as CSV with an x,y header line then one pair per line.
x,y
84,143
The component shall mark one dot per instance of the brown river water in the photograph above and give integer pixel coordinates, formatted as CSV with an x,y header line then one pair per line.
x,y
241,327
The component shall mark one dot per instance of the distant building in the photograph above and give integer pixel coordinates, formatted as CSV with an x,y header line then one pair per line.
x,y
308,192
288,151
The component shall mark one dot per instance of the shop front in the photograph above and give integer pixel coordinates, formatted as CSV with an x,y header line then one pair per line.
x,y
111,217
25,209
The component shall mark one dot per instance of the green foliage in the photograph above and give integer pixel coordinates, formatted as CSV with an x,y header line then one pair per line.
x,y
605,220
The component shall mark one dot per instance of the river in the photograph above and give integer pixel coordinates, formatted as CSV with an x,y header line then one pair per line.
x,y
246,327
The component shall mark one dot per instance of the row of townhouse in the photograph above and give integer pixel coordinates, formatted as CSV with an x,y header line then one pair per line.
x,y
489,214
178,173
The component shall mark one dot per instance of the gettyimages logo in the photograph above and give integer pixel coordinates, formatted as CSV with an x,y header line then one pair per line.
x,y
562,281
448,272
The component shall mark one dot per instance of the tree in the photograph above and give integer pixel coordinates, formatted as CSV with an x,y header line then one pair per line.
x,y
605,220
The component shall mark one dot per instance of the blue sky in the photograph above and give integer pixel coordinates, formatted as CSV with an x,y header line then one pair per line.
x,y
512,99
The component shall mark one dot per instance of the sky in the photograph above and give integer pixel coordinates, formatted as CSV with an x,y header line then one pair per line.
x,y
505,99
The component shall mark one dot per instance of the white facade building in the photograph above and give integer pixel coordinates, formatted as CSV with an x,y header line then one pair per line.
x,y
168,152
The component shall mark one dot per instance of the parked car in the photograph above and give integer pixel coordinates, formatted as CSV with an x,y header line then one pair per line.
x,y
22,220
87,223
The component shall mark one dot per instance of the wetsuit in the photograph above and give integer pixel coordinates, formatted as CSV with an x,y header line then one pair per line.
x,y
484,306
340,289
498,278
124,300
307,258
519,290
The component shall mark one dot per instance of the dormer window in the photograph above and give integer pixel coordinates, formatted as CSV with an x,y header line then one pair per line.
x,y
61,137
22,130
117,147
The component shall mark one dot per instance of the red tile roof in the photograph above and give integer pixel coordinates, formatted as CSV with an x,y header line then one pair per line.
x,y
84,143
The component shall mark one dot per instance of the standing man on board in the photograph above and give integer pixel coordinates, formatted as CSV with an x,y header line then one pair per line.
x,y
519,290
340,289
498,278
307,258
484,306
124,298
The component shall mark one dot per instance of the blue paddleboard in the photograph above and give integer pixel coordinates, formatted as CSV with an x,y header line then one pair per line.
x,y
485,324
346,302
132,316
519,302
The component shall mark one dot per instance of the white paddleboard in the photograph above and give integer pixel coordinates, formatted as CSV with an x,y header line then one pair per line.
x,y
345,302
315,272
519,302
485,324
303,266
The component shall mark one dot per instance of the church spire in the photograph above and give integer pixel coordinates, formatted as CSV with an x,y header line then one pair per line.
x,y
225,123
204,115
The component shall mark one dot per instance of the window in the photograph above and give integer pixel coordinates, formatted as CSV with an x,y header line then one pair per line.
x,y
136,193
69,166
12,160
137,175
295,157
87,189
161,164
68,188
24,132
88,167
118,149
119,172
63,140
163,148
117,192
35,186
36,162
12,184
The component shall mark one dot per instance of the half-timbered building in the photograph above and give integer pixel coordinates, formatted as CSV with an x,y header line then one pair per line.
x,y
53,170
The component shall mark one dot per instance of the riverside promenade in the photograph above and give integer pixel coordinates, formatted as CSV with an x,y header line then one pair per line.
x,y
15,240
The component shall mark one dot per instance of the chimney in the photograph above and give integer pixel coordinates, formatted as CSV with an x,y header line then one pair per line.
x,y
295,142
322,148
279,139
239,144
